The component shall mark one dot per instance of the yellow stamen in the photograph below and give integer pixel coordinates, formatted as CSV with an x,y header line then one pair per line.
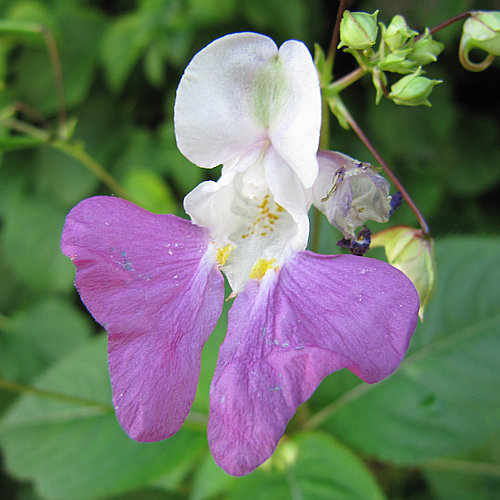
x,y
223,254
261,267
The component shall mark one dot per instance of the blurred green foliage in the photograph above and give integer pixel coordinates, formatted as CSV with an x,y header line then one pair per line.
x,y
121,63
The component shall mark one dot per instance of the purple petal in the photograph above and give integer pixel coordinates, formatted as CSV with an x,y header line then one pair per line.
x,y
285,334
148,280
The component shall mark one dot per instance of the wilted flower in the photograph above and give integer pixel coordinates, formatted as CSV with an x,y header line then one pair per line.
x,y
350,192
154,281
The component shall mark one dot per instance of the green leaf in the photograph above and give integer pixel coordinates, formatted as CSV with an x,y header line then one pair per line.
x,y
39,335
63,178
474,477
76,449
30,240
150,191
444,398
313,466
210,480
122,46
77,46
184,174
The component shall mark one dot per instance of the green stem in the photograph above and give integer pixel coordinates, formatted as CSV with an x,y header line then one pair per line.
x,y
54,395
194,419
467,466
75,151
338,85
83,157
317,419
26,128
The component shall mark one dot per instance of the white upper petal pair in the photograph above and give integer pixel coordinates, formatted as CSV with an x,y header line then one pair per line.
x,y
241,91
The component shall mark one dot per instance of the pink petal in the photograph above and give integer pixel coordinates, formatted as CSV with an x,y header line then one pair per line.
x,y
286,333
148,280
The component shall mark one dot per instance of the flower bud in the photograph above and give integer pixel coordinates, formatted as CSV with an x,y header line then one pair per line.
x,y
412,90
480,31
425,49
358,30
350,192
412,252
397,62
397,33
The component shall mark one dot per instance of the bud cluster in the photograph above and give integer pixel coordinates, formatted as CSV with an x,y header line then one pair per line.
x,y
400,50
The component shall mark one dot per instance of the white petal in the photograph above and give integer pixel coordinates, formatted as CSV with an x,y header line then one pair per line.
x,y
213,118
240,93
294,131
250,223
289,192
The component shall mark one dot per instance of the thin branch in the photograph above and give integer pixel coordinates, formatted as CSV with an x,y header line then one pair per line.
x,y
336,30
447,23
83,157
55,62
347,80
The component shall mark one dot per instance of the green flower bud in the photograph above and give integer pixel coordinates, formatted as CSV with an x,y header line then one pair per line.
x,y
398,33
481,31
425,49
397,62
358,30
412,90
412,252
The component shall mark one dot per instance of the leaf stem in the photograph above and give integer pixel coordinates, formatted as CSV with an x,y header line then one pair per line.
x,y
54,395
467,466
83,157
344,82
74,150
359,132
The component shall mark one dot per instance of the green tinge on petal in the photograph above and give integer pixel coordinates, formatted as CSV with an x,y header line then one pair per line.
x,y
270,92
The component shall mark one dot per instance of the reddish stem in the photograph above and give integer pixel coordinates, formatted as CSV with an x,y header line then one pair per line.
x,y
359,132
336,30
447,23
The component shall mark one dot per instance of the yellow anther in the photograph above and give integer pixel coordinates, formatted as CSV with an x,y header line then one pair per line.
x,y
223,254
261,267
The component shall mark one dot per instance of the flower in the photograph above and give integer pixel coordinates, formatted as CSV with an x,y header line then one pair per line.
x,y
155,283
